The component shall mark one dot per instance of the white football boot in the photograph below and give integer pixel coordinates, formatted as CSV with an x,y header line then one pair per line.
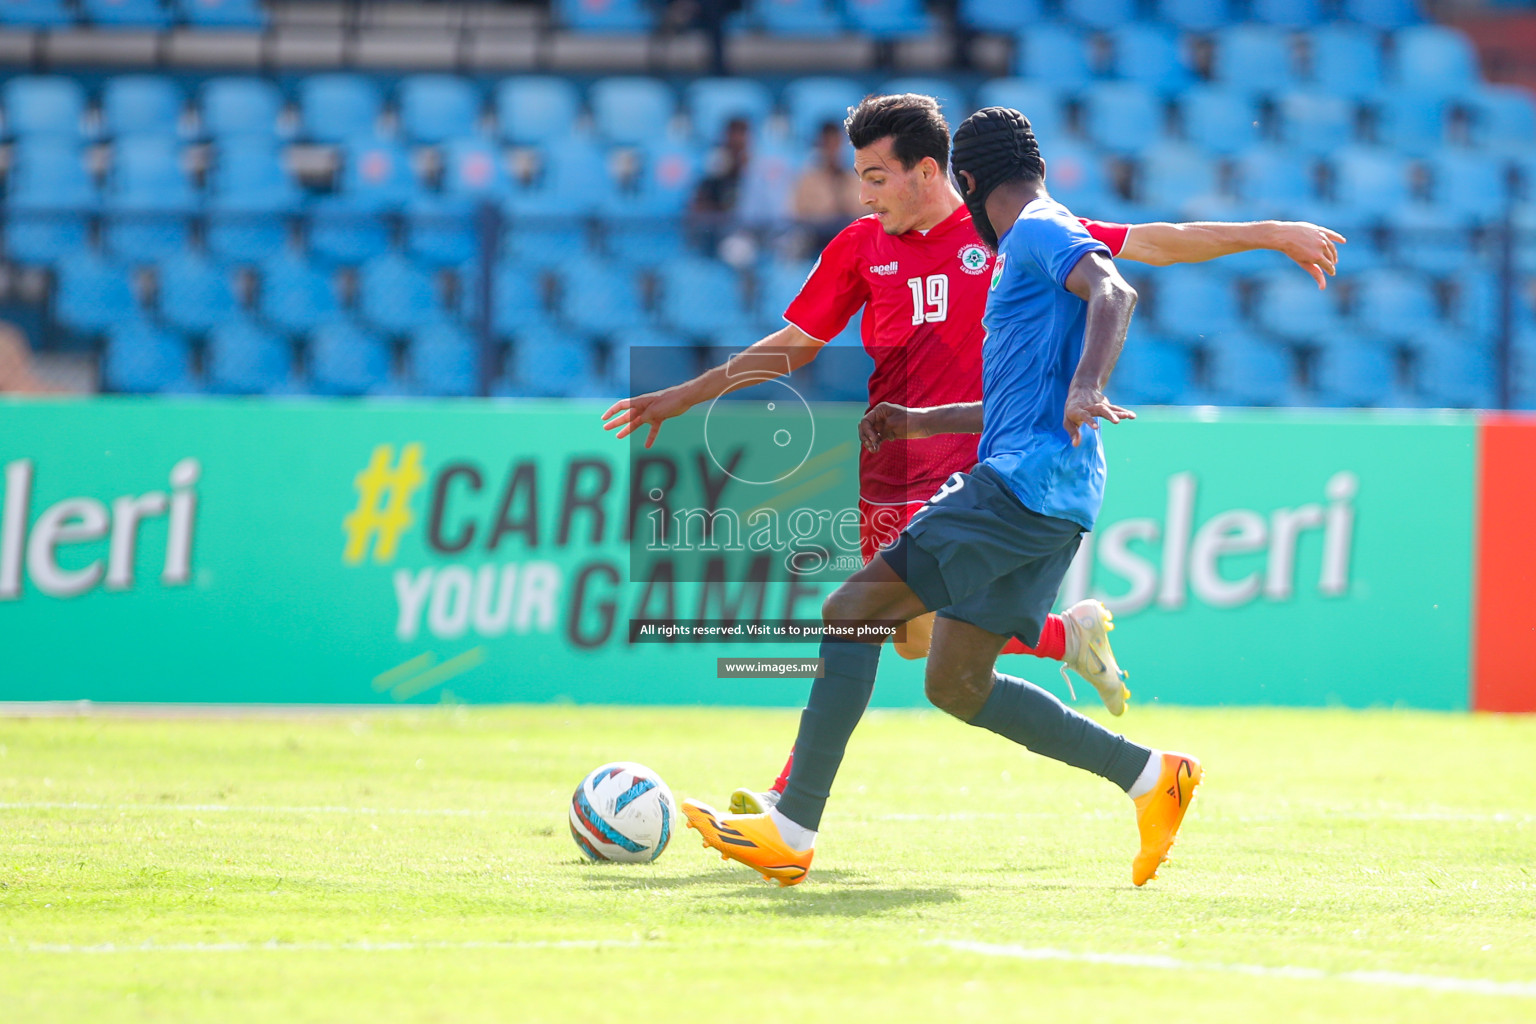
x,y
1088,654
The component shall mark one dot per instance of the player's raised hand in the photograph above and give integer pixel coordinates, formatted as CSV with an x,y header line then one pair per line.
x,y
1084,408
628,415
885,422
1312,246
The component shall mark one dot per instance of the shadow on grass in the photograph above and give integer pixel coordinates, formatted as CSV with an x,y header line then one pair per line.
x,y
829,893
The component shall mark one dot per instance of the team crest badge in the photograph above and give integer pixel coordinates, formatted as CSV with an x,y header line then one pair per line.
x,y
997,271
973,258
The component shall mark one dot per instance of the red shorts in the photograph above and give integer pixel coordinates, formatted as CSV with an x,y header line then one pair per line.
x,y
880,525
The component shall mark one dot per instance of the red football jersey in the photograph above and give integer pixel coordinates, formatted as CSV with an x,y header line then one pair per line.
x,y
924,293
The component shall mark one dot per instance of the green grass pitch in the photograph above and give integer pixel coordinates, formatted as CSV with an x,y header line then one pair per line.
x,y
416,866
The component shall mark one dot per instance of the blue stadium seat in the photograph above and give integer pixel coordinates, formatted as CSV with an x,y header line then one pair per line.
x,y
1467,183
991,16
1194,15
92,294
237,107
1075,174
777,286
1255,58
143,359
1355,371
712,102
436,108
551,364
811,102
1100,14
1055,54
841,372
887,19
1476,299
1151,54
1286,13
1174,175
668,174
1503,116
141,105
296,296
224,13
1122,117
570,184
1151,371
246,359
1382,13
149,197
1346,60
1191,300
443,360
126,13
1457,372
35,13
376,179
1394,303
647,359
852,336
1291,305
195,294
1369,179
395,296
1274,179
337,107
631,108
50,194
1413,122
796,17
953,103
345,359
600,297
533,109
250,196
38,105
1223,121
1315,123
645,242
1429,237
443,229
546,242
1036,101
604,15
702,296
1435,59
517,298
1245,370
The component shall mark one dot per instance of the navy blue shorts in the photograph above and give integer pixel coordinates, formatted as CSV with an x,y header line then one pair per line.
x,y
977,554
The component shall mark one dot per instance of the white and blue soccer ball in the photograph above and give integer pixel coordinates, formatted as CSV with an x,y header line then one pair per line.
x,y
622,812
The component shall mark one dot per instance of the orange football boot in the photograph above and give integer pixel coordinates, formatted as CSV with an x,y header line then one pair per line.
x,y
1159,813
752,839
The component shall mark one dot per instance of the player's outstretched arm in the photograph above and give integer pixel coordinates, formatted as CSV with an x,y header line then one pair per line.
x,y
777,355
1313,247
1111,300
890,422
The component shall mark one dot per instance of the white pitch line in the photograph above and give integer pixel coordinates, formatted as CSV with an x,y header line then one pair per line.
x,y
1389,979
273,946
433,812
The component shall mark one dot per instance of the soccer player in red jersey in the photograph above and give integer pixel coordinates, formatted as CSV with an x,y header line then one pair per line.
x,y
919,270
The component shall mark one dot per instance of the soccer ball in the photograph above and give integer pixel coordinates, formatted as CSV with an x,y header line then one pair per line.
x,y
623,812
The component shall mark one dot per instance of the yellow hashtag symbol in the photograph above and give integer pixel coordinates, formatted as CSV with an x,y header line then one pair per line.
x,y
373,484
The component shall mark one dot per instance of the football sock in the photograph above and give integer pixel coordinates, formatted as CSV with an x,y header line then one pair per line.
x,y
783,779
1052,643
836,704
1148,777
1033,717
798,837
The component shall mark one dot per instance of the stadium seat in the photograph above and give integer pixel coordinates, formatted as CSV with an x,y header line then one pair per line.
x,y
295,295
1254,58
1274,178
195,294
443,360
667,176
517,298
1503,116
712,102
701,296
1315,123
141,105
224,13
1151,54
1151,371
345,359
1387,14
600,297
811,102
92,294
1412,122
376,179
250,196
246,359
551,364
126,13
334,108
1055,54
1346,60
50,195
237,107
1429,237
1122,117
1289,304
1457,372
1393,303
35,13
1174,175
1190,300
777,285
1355,371
396,296
1434,59
148,199
841,372
796,17
1467,183
1246,370
39,105
631,108
1036,101
1099,14
1370,180
1075,174
143,359
436,108
1222,121
953,103
603,15
1286,13
645,242
444,229
887,19
571,182
534,109
991,16
647,359
546,242
1476,299
1194,15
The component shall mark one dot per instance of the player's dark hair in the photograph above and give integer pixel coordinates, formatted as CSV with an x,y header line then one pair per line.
x,y
913,123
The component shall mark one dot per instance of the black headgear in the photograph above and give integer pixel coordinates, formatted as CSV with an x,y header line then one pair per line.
x,y
994,145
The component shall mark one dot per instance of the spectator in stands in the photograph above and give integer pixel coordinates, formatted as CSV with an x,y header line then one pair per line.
x,y
720,188
826,195
16,374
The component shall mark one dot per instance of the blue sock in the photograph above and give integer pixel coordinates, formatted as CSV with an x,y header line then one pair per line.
x,y
1033,717
836,704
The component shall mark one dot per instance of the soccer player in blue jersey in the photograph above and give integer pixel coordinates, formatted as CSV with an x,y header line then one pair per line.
x,y
989,551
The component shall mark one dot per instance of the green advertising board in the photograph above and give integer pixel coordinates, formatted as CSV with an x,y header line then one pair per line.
x,y
383,552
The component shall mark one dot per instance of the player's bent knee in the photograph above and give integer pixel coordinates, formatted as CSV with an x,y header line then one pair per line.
x,y
959,692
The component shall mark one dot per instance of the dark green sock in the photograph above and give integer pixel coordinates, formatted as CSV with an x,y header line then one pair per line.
x,y
836,704
1035,718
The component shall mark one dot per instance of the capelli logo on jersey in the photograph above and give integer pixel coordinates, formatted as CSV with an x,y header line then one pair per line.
x,y
884,269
